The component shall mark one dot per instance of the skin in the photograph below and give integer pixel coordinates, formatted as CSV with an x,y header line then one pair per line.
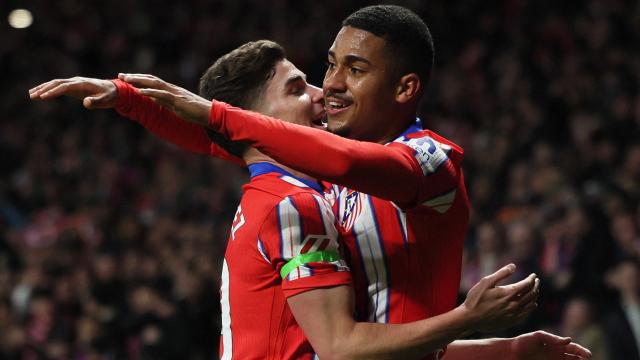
x,y
378,104
481,311
288,96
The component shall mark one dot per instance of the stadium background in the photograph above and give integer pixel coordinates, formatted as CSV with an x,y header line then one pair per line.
x,y
111,240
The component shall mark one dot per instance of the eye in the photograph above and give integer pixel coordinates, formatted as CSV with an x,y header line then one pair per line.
x,y
355,71
296,90
330,65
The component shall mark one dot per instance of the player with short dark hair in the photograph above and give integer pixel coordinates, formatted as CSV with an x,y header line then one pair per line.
x,y
372,95
284,239
364,97
405,35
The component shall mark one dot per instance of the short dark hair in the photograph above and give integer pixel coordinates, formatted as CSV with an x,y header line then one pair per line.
x,y
238,78
405,33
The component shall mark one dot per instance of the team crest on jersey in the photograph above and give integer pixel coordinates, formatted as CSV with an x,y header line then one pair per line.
x,y
351,209
429,153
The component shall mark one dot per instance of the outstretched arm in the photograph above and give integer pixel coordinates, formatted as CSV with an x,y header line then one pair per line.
x,y
389,172
160,121
127,101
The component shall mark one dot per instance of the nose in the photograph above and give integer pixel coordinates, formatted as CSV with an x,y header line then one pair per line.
x,y
316,94
334,81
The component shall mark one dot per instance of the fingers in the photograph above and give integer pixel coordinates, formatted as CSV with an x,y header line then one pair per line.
x,y
36,92
144,81
577,350
529,297
520,288
96,102
161,96
499,275
571,357
45,84
551,339
122,76
58,90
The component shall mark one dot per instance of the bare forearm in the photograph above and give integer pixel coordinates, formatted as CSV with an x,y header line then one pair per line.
x,y
482,349
401,341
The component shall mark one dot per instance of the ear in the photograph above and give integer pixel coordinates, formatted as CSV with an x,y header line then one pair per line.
x,y
409,88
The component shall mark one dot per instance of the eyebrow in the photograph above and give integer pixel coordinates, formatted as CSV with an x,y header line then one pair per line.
x,y
351,58
294,79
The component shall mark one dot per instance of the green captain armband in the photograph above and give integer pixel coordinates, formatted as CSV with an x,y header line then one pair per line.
x,y
316,256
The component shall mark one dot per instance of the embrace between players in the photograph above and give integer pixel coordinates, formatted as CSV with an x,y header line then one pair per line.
x,y
347,243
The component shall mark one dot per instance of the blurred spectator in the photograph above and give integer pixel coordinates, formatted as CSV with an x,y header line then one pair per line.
x,y
622,321
579,322
626,235
487,256
111,240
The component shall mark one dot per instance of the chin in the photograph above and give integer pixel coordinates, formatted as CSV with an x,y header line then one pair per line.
x,y
340,129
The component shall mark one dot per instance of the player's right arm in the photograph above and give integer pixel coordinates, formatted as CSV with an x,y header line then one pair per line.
x,y
325,316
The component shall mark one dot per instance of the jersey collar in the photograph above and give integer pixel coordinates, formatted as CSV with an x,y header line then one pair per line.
x,y
262,168
415,127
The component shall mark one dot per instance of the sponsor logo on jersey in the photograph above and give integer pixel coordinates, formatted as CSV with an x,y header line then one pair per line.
x,y
429,153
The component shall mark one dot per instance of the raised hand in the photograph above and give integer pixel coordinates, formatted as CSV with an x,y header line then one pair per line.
x,y
541,345
492,307
94,93
185,104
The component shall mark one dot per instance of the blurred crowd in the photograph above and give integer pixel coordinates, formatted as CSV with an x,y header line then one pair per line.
x,y
111,240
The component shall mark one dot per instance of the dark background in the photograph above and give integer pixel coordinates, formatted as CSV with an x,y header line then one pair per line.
x,y
111,240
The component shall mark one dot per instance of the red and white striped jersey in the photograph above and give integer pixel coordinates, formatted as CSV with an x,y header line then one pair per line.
x,y
280,227
406,260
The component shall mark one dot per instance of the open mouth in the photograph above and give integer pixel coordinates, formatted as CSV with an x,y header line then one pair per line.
x,y
334,105
320,121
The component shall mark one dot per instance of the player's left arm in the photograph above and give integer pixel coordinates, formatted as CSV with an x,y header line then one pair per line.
x,y
126,100
389,172
395,172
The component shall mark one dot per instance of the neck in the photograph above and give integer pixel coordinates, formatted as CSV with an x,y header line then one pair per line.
x,y
400,124
253,156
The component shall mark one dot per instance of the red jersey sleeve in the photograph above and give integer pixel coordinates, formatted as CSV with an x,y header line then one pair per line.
x,y
390,172
293,238
437,165
160,121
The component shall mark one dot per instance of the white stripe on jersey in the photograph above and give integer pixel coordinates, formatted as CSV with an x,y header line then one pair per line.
x,y
402,216
328,218
262,252
290,236
372,255
227,339
441,203
293,181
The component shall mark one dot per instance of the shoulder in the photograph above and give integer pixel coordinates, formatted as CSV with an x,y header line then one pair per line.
x,y
427,140
286,202
429,149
